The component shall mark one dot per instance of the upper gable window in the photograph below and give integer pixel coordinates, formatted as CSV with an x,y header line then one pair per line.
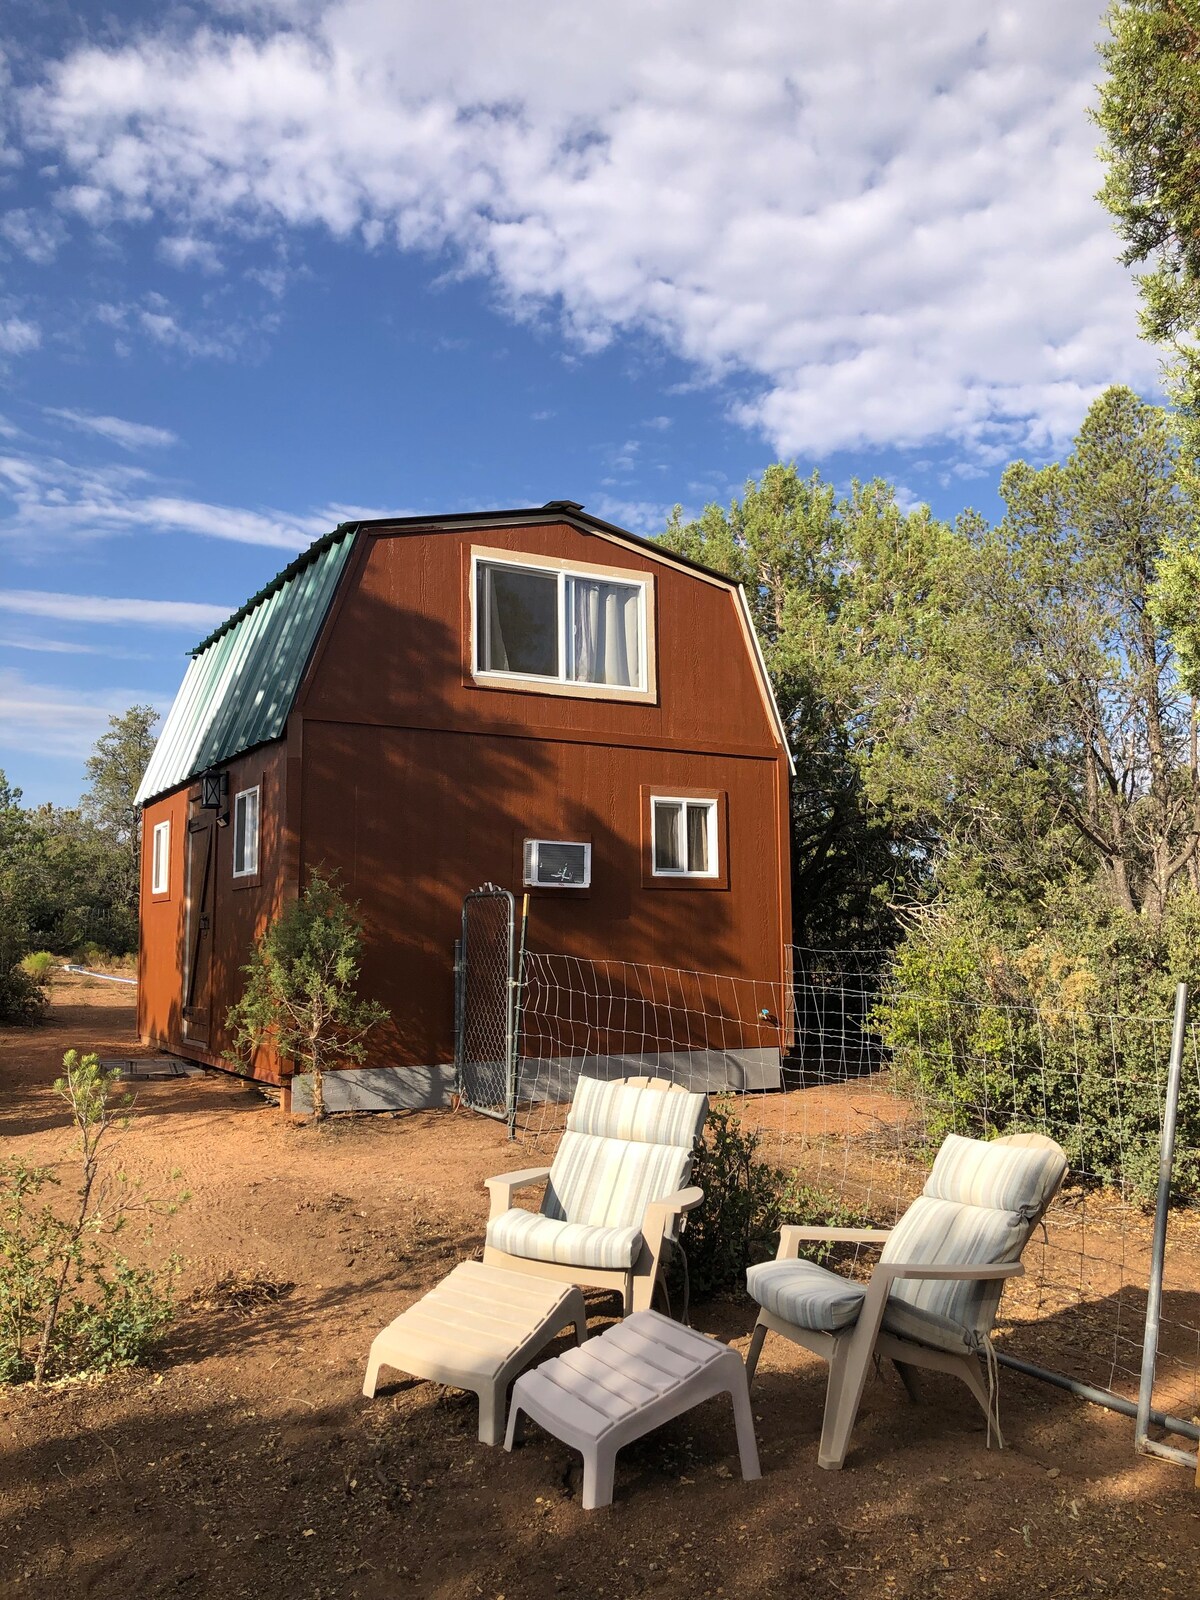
x,y
584,630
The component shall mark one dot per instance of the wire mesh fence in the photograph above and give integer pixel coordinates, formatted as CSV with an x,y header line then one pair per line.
x,y
484,999
851,1082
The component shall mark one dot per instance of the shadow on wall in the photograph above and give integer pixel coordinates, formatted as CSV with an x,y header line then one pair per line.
x,y
413,818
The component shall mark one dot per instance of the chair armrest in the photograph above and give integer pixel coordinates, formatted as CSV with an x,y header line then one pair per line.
x,y
891,1270
674,1205
659,1215
793,1234
502,1188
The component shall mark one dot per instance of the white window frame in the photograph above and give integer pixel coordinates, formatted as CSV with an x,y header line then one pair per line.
x,y
531,879
563,572
247,871
714,834
160,883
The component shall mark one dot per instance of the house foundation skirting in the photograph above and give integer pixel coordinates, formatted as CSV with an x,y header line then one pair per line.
x,y
550,1078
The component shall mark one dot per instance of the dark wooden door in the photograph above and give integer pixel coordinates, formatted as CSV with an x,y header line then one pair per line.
x,y
201,903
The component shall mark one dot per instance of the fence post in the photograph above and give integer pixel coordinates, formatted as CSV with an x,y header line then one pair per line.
x,y
1166,1163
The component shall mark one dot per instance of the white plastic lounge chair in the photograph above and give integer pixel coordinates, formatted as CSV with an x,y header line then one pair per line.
x,y
933,1297
615,1195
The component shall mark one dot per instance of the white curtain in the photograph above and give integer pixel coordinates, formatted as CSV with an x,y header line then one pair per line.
x,y
605,628
668,837
497,651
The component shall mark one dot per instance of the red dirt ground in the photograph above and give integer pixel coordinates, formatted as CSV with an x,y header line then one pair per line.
x,y
246,1462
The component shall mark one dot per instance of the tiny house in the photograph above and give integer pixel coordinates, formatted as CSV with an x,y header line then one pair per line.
x,y
532,698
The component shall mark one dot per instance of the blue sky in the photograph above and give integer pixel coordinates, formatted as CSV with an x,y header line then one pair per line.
x,y
267,265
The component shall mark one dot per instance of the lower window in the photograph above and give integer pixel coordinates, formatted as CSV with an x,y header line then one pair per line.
x,y
684,837
245,833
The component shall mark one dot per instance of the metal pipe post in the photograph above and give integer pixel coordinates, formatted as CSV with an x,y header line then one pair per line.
x,y
1166,1163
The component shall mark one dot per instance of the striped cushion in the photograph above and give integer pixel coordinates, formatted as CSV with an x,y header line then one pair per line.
x,y
608,1183
805,1295
625,1146
978,1209
629,1111
952,1315
1002,1177
570,1244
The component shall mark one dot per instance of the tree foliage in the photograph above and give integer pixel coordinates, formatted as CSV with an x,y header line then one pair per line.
x,y
1149,111
69,876
300,999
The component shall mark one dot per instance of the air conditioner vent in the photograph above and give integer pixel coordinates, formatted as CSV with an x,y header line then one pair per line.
x,y
557,864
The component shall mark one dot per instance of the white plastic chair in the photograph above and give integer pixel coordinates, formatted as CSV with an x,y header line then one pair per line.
x,y
615,1194
932,1299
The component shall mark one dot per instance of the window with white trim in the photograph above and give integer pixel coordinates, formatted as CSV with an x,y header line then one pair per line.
x,y
560,626
160,857
683,837
245,833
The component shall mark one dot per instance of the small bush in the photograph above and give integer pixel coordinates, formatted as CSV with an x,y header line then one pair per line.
x,y
70,1302
992,1032
23,1000
90,954
746,1201
40,965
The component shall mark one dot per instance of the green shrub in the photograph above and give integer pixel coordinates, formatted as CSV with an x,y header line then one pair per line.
x,y
70,1302
40,965
746,1200
89,954
1064,1032
23,1000
300,997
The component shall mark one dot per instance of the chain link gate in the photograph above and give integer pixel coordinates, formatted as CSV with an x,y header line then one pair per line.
x,y
487,1004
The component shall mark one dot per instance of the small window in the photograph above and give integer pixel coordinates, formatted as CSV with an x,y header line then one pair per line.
x,y
561,626
684,837
245,833
160,873
557,864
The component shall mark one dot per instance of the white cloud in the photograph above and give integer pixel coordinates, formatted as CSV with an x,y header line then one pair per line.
x,y
65,647
129,435
18,336
36,235
185,250
43,720
647,517
57,503
107,610
875,219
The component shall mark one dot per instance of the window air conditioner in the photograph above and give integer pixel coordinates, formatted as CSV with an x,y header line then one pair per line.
x,y
555,864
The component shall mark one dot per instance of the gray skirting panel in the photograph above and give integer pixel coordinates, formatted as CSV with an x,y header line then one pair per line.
x,y
551,1078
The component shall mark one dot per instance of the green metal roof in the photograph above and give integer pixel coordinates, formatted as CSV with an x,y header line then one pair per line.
x,y
239,688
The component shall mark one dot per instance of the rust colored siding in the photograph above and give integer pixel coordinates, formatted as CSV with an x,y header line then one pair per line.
x,y
237,909
413,819
396,650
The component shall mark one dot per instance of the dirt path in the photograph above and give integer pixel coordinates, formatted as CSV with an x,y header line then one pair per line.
x,y
246,1462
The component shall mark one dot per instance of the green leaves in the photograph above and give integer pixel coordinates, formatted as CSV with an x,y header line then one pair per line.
x,y
300,998
1149,111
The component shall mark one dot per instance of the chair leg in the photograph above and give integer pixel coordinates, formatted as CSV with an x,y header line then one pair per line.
x,y
491,1414
755,1350
848,1370
908,1378
516,1427
599,1469
642,1292
743,1418
372,1378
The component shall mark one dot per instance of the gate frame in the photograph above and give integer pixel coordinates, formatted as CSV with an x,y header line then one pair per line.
x,y
512,1006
